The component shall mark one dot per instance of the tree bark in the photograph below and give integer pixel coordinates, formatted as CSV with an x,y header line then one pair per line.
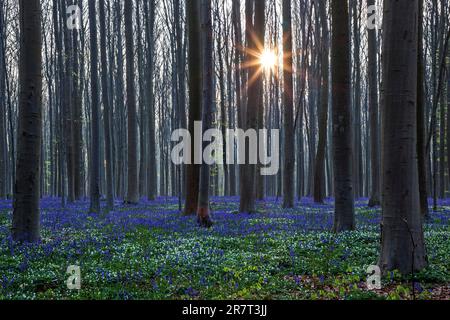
x,y
319,174
255,36
195,95
106,110
421,121
95,116
26,213
402,243
152,182
288,104
373,116
3,133
203,216
132,168
344,219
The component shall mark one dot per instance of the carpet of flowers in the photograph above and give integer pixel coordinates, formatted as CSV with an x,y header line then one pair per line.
x,y
151,251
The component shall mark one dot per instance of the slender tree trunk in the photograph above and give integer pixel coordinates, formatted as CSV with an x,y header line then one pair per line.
x,y
373,117
357,152
442,148
402,243
106,110
319,174
68,108
344,218
152,182
3,133
195,95
288,107
203,216
95,116
132,174
421,120
77,119
236,19
26,214
255,37
448,112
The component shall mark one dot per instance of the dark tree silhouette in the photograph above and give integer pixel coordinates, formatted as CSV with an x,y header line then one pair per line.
x,y
195,96
402,243
26,214
106,110
203,215
132,176
342,118
288,105
373,116
95,115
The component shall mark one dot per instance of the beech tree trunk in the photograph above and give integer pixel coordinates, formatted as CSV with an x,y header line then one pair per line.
x,y
402,243
106,110
132,181
203,216
373,116
195,96
152,182
255,37
344,218
3,133
288,107
319,174
421,121
26,213
95,116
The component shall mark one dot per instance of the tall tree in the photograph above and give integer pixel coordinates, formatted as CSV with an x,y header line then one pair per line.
x,y
255,43
357,124
132,182
402,243
319,174
94,166
77,115
68,108
288,104
106,110
421,120
149,12
3,132
373,115
195,96
26,214
203,215
344,218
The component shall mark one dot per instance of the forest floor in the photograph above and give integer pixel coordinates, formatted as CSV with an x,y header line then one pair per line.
x,y
150,251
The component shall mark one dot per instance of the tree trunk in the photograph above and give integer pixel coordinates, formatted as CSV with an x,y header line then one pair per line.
x,y
3,133
342,120
195,95
77,119
319,174
373,116
203,216
95,117
106,110
421,120
255,37
26,215
402,243
152,182
236,19
132,168
288,107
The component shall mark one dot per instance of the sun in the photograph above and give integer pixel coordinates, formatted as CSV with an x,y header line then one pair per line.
x,y
267,59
